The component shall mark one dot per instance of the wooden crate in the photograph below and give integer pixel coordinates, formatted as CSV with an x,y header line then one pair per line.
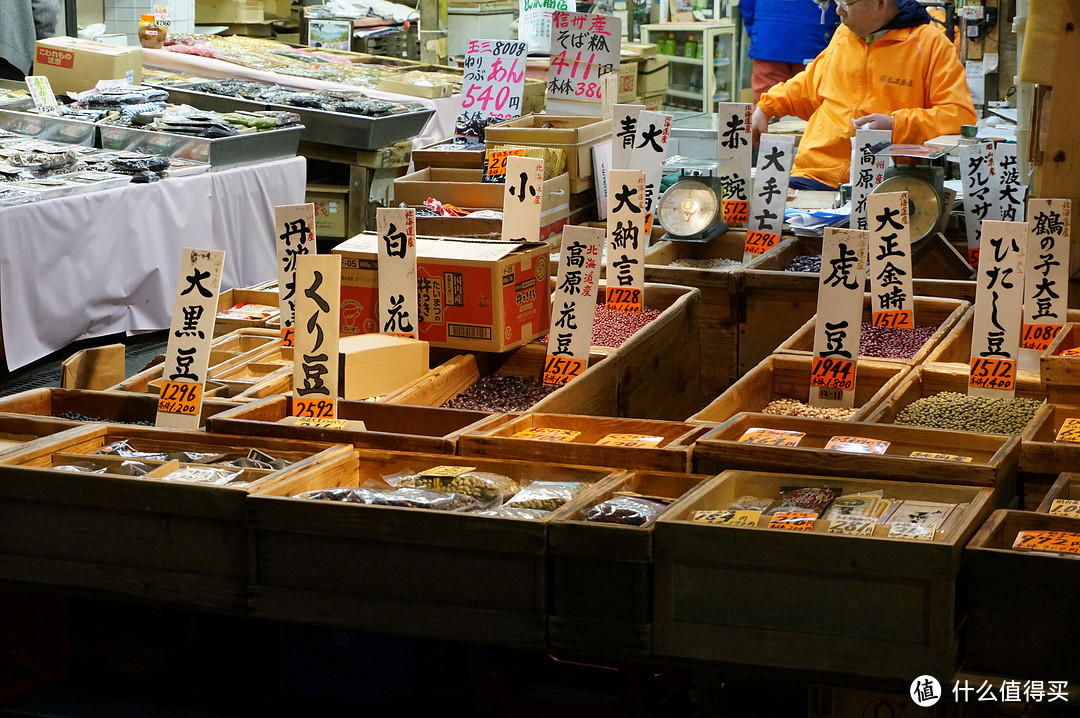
x,y
601,574
387,426
1039,453
993,456
432,574
788,376
113,536
721,300
871,606
114,407
233,297
944,313
1005,633
1067,486
594,392
1056,370
439,154
495,439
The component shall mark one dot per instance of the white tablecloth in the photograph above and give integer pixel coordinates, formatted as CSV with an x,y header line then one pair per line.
x,y
104,262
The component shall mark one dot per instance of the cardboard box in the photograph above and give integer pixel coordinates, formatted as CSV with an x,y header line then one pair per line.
x,y
228,11
439,155
652,102
76,65
576,135
628,73
645,49
331,209
464,188
483,296
428,90
653,75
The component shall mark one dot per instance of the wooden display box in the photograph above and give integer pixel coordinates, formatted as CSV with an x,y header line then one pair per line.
x,y
113,407
439,155
495,440
993,456
1039,452
601,574
233,297
870,606
787,376
721,300
594,392
167,542
387,426
1005,634
18,433
1062,372
1067,486
432,574
945,313
575,135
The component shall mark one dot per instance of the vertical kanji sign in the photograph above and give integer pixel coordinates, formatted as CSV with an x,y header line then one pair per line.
x,y
584,48
980,187
624,121
626,241
294,225
839,317
1046,281
398,310
187,354
491,86
999,292
769,198
891,297
865,174
1011,191
315,355
523,196
650,149
735,153
534,26
573,306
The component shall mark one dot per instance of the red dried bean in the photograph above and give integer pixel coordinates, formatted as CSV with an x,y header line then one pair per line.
x,y
893,343
501,392
612,328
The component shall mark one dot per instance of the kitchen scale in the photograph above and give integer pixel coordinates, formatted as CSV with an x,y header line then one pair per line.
x,y
929,202
692,209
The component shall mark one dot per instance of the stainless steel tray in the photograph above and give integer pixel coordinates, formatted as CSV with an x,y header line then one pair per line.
x,y
218,152
329,128
44,127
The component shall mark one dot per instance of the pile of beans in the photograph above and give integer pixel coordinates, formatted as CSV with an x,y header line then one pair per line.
x,y
721,264
76,416
805,263
501,392
612,328
976,414
794,407
894,343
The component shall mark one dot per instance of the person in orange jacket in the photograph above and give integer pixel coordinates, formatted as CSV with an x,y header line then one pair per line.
x,y
886,68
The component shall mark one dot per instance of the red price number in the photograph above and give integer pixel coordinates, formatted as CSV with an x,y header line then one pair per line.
x,y
482,95
894,319
992,373
833,373
623,299
760,242
288,336
180,397
736,211
1038,336
314,408
559,370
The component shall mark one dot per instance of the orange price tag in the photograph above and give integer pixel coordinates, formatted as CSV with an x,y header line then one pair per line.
x,y
1038,336
793,520
833,373
288,336
1074,352
992,373
540,433
894,319
647,229
760,242
973,257
633,441
623,299
559,370
496,166
771,437
857,445
1051,541
180,397
736,211
1066,507
1069,431
314,408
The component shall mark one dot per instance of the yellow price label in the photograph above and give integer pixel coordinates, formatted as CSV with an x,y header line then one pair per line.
x,y
833,373
447,470
496,166
771,437
321,423
1069,431
1050,541
853,525
179,397
1074,352
736,211
912,531
313,408
939,457
539,433
728,517
633,441
1066,507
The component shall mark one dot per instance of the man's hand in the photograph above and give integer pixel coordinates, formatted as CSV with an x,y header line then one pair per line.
x,y
758,123
876,121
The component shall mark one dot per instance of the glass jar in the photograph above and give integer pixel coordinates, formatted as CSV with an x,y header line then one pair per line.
x,y
151,35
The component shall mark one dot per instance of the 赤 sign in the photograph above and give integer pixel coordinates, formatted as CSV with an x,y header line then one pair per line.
x,y
735,154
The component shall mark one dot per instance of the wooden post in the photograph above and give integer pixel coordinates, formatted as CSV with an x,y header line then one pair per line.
x,y
433,39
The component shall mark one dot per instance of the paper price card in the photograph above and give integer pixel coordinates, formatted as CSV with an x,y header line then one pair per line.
x,y
1069,431
760,242
624,122
852,525
491,86
294,226
650,149
912,531
315,356
449,472
939,457
771,437
1065,507
584,48
995,336
892,300
727,517
398,304
496,164
321,423
793,520
187,354
627,237
980,185
1050,541
839,317
865,174
523,195
769,197
1046,281
857,445
1010,196
573,304
41,93
538,433
632,441
734,152
534,27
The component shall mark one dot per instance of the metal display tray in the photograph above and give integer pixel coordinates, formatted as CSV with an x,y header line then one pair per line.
x,y
44,127
217,152
328,128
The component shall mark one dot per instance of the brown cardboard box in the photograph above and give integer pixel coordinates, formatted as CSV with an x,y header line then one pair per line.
x,y
575,135
402,87
628,74
437,155
331,209
483,296
76,65
653,75
645,49
377,364
464,188
652,102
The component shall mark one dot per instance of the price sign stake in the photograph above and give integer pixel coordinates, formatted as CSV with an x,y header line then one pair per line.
x,y
294,225
315,356
995,336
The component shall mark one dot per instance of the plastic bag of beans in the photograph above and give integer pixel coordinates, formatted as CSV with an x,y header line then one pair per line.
x,y
629,510
487,487
511,513
750,503
806,499
424,499
349,495
544,495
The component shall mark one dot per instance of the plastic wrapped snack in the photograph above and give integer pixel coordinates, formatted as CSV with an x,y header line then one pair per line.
x,y
123,448
629,510
807,499
348,495
511,513
750,503
489,488
424,499
544,495
202,475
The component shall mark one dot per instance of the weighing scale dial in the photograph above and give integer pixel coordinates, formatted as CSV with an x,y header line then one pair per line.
x,y
691,208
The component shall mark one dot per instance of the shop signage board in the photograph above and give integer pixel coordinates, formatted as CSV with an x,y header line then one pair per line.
x,y
627,237
776,153
41,93
1046,282
491,86
839,317
892,299
1011,192
315,356
999,293
534,26
980,186
523,193
867,170
735,154
584,48
624,123
187,353
650,149
398,305
294,225
573,304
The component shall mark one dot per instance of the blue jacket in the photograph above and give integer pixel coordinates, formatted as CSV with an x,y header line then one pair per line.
x,y
787,30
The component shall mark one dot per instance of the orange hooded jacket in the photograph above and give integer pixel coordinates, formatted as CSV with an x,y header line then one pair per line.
x,y
912,74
